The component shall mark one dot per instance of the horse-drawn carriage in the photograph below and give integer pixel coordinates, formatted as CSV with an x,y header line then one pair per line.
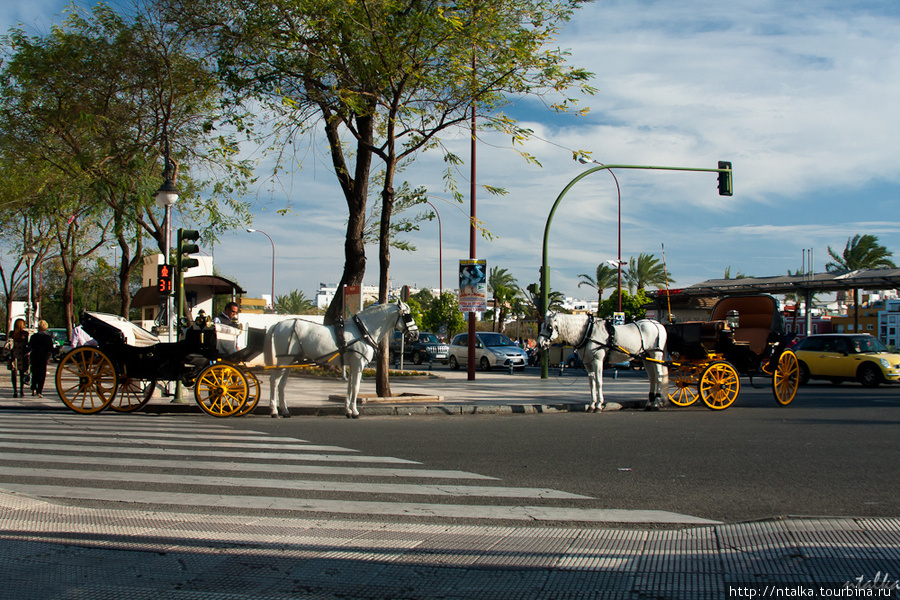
x,y
123,365
743,336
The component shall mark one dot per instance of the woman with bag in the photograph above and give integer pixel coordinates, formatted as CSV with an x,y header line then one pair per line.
x,y
18,358
40,348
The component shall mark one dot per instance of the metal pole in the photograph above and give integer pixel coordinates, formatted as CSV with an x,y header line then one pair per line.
x,y
545,275
440,248
170,300
470,362
29,310
273,262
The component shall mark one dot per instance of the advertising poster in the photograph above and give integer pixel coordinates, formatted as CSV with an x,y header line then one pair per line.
x,y
352,300
472,285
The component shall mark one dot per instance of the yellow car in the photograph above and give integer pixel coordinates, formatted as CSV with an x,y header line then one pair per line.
x,y
846,356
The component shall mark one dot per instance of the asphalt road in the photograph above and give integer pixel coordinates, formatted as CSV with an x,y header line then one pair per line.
x,y
833,452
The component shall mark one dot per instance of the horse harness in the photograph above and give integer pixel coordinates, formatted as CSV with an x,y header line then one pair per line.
x,y
343,345
610,343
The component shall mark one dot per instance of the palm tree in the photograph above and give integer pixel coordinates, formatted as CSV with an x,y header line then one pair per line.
x,y
554,299
646,270
606,277
294,303
504,288
861,252
739,274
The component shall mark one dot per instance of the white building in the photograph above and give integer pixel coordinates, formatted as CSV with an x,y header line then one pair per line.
x,y
199,287
889,323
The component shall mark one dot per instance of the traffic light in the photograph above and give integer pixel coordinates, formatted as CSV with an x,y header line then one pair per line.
x,y
185,248
164,279
726,183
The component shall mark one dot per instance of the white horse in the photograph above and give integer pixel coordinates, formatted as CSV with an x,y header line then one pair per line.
x,y
644,339
355,344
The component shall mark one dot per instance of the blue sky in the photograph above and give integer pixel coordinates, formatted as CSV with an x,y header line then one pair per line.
x,y
801,97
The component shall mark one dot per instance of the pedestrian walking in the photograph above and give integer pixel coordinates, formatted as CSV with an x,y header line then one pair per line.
x,y
40,348
18,358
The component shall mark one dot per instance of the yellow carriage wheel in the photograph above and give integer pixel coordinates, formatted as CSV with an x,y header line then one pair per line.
x,y
252,393
786,378
221,390
684,380
133,394
719,385
86,380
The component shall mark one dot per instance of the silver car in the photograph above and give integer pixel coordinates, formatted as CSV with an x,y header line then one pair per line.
x,y
491,350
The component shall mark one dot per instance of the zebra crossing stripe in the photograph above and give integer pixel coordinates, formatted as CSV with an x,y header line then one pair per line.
x,y
161,433
293,484
115,441
333,470
370,508
117,447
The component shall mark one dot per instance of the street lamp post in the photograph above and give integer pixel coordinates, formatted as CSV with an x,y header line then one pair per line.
x,y
165,197
725,189
273,261
30,254
440,248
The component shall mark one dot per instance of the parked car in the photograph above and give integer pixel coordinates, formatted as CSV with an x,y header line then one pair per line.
x,y
60,338
427,348
843,357
575,362
491,350
4,353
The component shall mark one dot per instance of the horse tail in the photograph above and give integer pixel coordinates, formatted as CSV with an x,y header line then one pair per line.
x,y
269,346
269,352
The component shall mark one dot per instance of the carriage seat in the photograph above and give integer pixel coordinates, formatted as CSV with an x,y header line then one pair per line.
x,y
756,315
754,331
709,333
108,328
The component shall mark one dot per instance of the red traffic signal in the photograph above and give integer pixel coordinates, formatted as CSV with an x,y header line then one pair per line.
x,y
164,279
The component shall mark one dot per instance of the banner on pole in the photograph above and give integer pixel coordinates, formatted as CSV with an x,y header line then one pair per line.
x,y
472,285
352,300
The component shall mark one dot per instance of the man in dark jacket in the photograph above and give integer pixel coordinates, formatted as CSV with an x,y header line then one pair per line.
x,y
40,348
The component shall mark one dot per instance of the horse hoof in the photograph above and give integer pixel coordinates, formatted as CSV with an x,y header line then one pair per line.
x,y
286,415
274,416
356,416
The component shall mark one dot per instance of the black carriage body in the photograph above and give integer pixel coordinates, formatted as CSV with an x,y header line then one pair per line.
x,y
746,331
167,361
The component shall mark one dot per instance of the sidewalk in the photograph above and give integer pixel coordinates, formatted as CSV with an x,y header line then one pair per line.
x,y
440,392
53,552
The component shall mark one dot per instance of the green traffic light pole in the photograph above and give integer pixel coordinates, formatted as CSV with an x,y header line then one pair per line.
x,y
182,264
725,189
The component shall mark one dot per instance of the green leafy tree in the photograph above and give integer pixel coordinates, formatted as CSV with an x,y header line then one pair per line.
x,y
386,77
632,305
604,278
87,106
424,298
443,315
295,303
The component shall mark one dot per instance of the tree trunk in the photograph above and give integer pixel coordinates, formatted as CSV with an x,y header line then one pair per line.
x,y
382,380
355,190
